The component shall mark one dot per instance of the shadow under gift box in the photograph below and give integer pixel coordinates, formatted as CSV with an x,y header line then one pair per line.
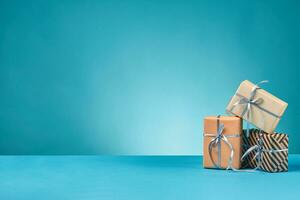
x,y
232,126
265,114
270,161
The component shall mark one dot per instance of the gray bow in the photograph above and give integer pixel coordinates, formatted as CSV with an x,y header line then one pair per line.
x,y
216,141
249,102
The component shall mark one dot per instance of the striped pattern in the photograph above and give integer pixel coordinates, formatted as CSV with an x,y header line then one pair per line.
x,y
271,162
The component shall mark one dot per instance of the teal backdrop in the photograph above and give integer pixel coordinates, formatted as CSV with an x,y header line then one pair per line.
x,y
137,77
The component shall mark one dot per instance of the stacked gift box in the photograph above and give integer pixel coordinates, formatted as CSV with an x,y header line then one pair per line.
x,y
228,146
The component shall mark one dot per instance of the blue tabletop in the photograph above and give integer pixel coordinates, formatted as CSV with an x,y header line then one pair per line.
x,y
138,177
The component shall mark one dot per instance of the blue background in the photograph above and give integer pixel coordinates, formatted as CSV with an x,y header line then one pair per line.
x,y
137,77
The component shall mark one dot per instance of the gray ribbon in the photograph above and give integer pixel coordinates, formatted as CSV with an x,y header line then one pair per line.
x,y
260,150
216,141
249,102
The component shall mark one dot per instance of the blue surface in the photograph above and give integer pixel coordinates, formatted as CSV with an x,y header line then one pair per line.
x,y
138,76
136,178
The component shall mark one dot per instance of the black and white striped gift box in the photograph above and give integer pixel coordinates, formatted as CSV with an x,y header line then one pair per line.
x,y
271,161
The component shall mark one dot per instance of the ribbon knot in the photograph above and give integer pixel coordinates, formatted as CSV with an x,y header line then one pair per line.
x,y
250,101
219,135
253,101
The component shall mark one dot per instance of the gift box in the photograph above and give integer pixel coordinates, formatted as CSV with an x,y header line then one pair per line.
x,y
257,106
222,142
266,151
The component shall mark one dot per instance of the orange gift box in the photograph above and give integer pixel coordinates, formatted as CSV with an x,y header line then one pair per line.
x,y
222,146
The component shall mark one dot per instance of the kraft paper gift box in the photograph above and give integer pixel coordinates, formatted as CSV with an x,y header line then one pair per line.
x,y
266,151
257,106
222,142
